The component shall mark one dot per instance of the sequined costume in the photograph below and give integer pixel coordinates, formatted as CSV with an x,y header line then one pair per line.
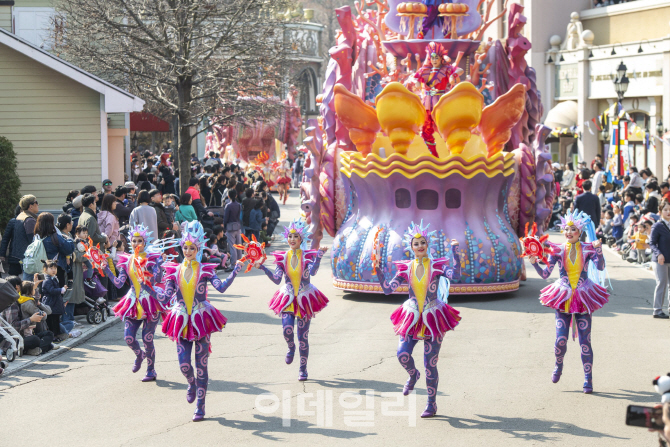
x,y
424,316
138,308
297,298
574,295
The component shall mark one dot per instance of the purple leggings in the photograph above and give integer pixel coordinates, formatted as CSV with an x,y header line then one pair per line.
x,y
288,322
148,329
584,332
184,350
431,352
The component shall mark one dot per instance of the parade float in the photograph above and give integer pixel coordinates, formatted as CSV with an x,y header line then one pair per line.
x,y
449,135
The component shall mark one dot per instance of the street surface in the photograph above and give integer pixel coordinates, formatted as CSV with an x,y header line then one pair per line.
x,y
495,369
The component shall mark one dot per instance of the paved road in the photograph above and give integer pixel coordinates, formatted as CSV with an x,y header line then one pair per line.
x,y
495,386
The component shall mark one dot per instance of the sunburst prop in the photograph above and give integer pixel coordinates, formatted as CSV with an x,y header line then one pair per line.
x,y
140,264
376,250
97,258
534,246
253,251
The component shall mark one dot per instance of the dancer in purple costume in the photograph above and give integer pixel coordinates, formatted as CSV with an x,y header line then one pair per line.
x,y
139,307
191,318
298,298
577,293
425,315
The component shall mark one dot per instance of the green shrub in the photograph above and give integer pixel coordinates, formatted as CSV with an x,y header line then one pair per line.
x,y
9,182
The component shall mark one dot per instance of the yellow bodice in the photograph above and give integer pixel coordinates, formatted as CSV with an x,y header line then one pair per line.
x,y
295,275
188,287
135,280
420,286
574,270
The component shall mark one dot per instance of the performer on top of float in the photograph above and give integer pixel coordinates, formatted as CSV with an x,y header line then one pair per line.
x,y
298,298
437,76
425,315
579,290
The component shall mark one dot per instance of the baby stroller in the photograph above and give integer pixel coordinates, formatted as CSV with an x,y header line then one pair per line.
x,y
95,305
8,296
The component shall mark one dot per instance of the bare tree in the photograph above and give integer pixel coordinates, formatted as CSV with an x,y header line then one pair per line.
x,y
200,60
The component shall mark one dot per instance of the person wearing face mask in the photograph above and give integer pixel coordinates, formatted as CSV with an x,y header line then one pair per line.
x,y
298,299
192,319
139,307
425,315
578,292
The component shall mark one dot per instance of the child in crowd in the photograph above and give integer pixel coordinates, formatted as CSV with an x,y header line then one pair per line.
x,y
617,225
640,237
605,228
212,251
53,297
31,305
264,235
186,213
170,205
173,252
256,219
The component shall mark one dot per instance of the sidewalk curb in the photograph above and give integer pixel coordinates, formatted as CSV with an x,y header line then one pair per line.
x,y
111,321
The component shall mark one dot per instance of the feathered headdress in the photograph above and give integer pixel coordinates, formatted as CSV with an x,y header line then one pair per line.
x,y
299,226
577,218
143,232
417,231
193,234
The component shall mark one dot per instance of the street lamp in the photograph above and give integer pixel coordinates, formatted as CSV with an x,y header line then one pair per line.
x,y
134,141
621,87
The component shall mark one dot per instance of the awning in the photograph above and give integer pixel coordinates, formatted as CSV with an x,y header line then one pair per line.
x,y
563,115
146,122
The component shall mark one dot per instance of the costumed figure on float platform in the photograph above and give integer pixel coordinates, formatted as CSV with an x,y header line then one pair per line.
x,y
298,298
192,318
437,76
139,307
425,315
578,292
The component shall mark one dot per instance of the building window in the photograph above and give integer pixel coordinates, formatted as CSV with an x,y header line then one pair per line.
x,y
403,198
452,198
34,25
427,199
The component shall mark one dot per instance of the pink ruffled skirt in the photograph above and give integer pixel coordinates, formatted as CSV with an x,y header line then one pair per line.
x,y
310,301
203,321
586,298
127,307
435,322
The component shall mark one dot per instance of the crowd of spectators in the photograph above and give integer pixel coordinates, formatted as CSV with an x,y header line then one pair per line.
x,y
227,200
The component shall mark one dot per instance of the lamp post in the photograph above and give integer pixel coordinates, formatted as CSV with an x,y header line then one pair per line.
x,y
620,86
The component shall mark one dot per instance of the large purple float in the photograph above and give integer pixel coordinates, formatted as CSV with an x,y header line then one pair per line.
x,y
370,169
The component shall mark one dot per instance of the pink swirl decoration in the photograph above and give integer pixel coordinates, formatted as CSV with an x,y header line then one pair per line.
x,y
200,373
288,330
433,361
427,348
559,324
201,288
148,338
432,287
201,395
558,352
303,346
180,349
586,349
561,341
582,324
129,340
204,361
198,348
432,391
185,368
588,368
303,361
404,358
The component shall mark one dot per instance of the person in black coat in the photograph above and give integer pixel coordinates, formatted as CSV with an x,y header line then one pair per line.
x,y
659,241
589,203
6,247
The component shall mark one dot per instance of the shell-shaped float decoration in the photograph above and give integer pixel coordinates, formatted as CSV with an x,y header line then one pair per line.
x,y
499,118
359,118
457,114
401,115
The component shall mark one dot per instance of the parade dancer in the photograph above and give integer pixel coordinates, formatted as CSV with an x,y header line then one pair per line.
x,y
578,292
425,315
192,318
298,298
437,75
139,307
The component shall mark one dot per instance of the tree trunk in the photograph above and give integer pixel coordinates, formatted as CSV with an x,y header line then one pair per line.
x,y
184,144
